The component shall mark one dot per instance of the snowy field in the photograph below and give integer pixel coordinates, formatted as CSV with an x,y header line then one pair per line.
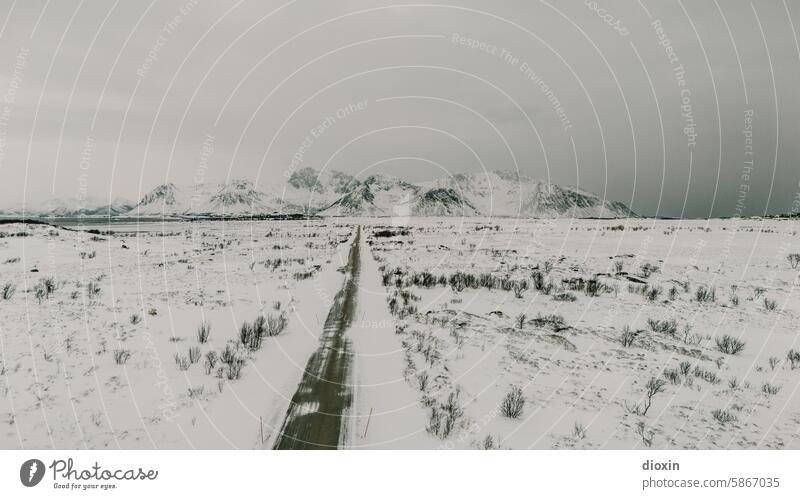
x,y
111,357
468,333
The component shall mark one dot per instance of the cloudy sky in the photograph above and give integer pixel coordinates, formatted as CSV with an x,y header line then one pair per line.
x,y
676,107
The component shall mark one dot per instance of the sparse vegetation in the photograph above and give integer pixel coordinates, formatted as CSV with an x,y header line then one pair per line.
x,y
793,356
729,345
628,336
705,294
121,356
513,403
646,434
203,332
579,431
653,387
444,417
648,269
194,354
669,327
196,392
723,416
182,362
92,289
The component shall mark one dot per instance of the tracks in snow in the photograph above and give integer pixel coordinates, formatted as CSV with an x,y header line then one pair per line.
x,y
316,415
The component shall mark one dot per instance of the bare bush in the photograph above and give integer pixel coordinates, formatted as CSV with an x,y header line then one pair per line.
x,y
121,356
669,327
723,416
8,290
770,389
706,375
705,294
653,387
579,431
648,269
673,376
653,293
729,345
249,338
196,392
793,357
194,354
203,331
488,443
773,362
276,324
182,362
645,433
519,287
234,363
513,403
628,336
444,417
566,296
92,289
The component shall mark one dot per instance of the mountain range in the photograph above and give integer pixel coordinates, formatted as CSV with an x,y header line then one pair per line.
x,y
307,191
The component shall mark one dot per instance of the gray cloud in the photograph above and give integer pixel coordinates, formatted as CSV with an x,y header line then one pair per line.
x,y
114,98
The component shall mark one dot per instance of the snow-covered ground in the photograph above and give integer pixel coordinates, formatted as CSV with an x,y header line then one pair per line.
x,y
60,385
465,350
452,316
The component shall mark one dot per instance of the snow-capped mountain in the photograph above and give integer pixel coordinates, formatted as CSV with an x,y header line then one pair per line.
x,y
443,201
310,191
166,199
377,195
332,193
238,197
71,208
509,194
235,198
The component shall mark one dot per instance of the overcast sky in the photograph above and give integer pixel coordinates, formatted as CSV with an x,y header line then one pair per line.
x,y
646,101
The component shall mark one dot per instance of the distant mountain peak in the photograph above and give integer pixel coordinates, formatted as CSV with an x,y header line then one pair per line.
x,y
306,178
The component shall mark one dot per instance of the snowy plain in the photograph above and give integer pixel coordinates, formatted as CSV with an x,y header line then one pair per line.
x,y
99,347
